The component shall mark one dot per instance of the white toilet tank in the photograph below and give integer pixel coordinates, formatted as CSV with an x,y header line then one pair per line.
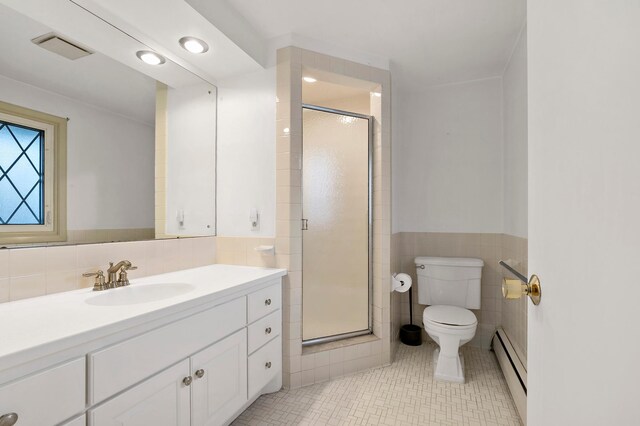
x,y
449,281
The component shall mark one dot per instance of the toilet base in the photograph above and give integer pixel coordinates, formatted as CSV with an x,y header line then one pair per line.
x,y
448,369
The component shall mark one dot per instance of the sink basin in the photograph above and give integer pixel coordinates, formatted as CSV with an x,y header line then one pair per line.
x,y
134,294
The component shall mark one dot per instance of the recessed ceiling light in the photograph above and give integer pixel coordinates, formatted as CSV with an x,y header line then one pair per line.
x,y
151,58
193,45
286,130
309,79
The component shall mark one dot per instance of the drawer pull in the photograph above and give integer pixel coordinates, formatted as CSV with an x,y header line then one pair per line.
x,y
8,419
268,364
267,330
200,373
187,380
267,302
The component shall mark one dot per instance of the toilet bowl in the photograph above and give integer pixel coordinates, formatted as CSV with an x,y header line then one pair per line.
x,y
449,286
450,327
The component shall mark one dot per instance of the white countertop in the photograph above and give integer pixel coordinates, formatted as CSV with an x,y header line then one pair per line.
x,y
40,326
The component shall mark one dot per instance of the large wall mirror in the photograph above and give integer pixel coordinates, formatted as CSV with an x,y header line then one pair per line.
x,y
93,150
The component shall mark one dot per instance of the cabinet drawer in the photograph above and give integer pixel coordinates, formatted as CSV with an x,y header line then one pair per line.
x,y
48,397
264,365
264,301
124,364
265,329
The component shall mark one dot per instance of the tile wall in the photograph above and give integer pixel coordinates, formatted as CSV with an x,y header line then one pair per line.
x,y
31,272
514,312
396,298
290,62
242,251
491,248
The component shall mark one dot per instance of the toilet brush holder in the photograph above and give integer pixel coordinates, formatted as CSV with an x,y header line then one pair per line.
x,y
411,334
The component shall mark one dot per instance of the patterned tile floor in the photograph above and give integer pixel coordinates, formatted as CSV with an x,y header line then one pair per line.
x,y
404,393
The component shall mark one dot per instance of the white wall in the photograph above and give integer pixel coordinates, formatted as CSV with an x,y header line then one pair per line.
x,y
191,160
448,151
584,204
246,153
514,89
110,161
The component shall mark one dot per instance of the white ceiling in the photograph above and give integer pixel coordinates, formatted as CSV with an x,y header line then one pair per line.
x,y
428,42
161,23
95,79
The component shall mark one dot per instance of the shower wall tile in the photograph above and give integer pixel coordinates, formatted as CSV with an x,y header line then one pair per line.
x,y
288,239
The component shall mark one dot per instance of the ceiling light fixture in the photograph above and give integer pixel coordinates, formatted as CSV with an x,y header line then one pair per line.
x,y
193,45
151,58
376,94
309,79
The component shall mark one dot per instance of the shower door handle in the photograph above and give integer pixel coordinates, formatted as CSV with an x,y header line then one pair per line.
x,y
305,224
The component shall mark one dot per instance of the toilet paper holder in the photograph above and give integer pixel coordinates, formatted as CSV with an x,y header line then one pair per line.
x,y
515,289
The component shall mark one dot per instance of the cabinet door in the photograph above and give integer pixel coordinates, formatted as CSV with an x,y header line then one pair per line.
x,y
162,400
222,388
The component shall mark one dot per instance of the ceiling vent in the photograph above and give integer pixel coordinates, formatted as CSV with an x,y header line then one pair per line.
x,y
56,44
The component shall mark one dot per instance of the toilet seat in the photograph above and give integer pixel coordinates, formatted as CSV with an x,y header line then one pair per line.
x,y
449,317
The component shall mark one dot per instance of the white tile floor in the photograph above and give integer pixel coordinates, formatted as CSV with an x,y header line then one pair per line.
x,y
404,393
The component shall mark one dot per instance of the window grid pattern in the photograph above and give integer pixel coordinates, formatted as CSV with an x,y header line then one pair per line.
x,y
21,175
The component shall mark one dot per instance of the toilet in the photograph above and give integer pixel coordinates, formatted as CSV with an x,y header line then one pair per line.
x,y
450,286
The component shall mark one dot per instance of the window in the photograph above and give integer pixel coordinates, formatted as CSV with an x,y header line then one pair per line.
x,y
32,176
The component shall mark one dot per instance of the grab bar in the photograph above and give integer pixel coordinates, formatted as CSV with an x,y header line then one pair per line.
x,y
514,272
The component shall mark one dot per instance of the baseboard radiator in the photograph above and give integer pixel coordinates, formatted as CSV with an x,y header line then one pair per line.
x,y
515,372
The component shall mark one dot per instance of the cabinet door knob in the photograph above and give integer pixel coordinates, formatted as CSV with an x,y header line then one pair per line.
x,y
8,419
200,373
267,330
267,302
187,380
268,364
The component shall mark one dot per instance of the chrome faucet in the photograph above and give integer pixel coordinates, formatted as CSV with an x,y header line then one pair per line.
x,y
112,282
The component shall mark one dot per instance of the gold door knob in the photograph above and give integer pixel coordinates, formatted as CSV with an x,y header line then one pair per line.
x,y
514,289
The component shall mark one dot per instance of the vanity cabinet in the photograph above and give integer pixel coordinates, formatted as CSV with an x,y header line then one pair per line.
x,y
206,389
209,387
199,364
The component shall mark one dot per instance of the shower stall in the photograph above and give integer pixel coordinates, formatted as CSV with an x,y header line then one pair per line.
x,y
336,224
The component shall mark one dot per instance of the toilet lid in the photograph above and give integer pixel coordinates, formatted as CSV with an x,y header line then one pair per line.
x,y
450,315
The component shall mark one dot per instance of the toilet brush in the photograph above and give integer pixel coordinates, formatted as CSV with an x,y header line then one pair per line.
x,y
411,334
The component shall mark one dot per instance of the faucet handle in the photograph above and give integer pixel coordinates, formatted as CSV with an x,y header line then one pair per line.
x,y
99,284
123,280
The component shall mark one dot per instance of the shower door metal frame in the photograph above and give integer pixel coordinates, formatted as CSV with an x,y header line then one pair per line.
x,y
369,330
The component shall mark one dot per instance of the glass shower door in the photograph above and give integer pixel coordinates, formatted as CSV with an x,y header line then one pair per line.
x,y
336,222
